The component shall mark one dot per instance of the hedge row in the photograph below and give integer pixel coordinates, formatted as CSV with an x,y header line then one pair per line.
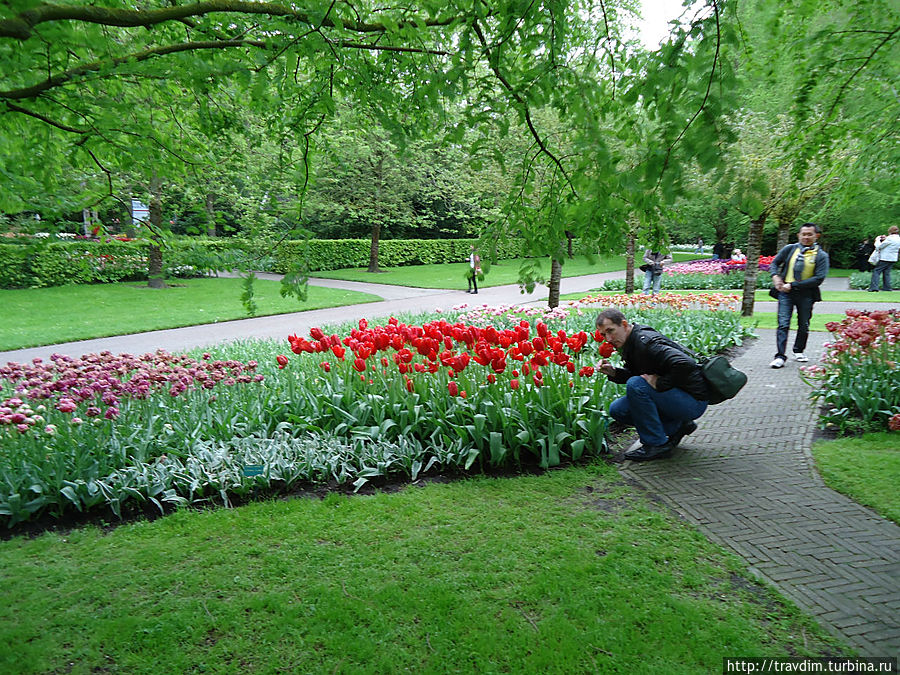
x,y
82,262
332,254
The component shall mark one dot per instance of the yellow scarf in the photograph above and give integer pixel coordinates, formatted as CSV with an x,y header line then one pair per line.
x,y
809,264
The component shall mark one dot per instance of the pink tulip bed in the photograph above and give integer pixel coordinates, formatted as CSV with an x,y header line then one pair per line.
x,y
704,275
474,389
856,381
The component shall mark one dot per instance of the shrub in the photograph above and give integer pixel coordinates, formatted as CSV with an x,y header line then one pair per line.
x,y
861,280
331,254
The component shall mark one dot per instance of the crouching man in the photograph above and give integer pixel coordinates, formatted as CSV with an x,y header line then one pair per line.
x,y
665,390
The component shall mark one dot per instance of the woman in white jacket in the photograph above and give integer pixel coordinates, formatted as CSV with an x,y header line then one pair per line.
x,y
888,248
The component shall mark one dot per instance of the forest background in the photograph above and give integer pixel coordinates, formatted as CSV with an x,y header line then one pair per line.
x,y
539,122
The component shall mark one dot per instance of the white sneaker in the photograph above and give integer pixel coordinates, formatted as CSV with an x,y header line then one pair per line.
x,y
778,363
801,357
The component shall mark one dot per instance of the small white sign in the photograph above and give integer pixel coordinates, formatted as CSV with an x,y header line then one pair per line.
x,y
140,213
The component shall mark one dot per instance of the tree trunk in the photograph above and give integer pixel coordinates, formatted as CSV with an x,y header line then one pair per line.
x,y
210,216
129,226
629,263
555,278
754,241
376,227
155,271
373,248
569,238
784,231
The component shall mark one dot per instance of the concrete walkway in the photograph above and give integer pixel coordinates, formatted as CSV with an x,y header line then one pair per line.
x,y
745,478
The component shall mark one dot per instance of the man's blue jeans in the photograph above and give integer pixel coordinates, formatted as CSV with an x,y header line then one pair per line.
x,y
655,414
786,303
652,280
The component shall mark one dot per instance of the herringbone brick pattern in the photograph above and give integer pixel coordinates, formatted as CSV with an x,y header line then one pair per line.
x,y
747,479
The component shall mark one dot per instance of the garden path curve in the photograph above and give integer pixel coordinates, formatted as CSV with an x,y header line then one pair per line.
x,y
747,479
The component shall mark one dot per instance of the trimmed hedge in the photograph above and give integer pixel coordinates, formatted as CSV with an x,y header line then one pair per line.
x,y
334,254
43,263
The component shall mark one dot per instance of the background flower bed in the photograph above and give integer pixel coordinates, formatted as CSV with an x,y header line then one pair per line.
x,y
703,275
861,280
166,429
856,381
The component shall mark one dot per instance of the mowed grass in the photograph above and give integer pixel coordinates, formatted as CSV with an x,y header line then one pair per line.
x,y
501,273
566,572
42,316
865,468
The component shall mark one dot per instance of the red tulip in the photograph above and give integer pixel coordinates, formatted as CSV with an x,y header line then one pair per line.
x,y
316,333
359,365
514,384
606,349
453,388
282,361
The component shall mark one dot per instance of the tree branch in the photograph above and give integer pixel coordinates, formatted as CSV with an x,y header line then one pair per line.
x,y
840,93
62,78
712,74
20,27
523,105
43,118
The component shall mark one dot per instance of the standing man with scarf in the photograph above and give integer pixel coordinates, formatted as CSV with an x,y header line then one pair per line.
x,y
797,272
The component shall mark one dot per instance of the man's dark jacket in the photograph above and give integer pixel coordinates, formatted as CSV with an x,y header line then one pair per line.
x,y
648,352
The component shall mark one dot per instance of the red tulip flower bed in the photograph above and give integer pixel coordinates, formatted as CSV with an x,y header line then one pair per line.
x,y
520,392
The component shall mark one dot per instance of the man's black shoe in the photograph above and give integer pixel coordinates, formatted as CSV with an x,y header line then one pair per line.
x,y
648,452
686,428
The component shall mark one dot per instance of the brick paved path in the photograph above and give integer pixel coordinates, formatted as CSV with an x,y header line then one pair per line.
x,y
747,479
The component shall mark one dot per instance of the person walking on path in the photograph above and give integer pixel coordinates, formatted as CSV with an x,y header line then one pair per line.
x,y
797,272
664,387
653,268
888,248
474,270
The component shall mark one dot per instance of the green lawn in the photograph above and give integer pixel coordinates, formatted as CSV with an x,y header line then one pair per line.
x,y
504,272
568,572
40,316
865,468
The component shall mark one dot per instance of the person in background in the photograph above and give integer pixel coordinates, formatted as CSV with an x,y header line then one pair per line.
x,y
665,390
737,256
474,270
863,251
726,251
653,268
888,248
797,272
700,245
717,250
